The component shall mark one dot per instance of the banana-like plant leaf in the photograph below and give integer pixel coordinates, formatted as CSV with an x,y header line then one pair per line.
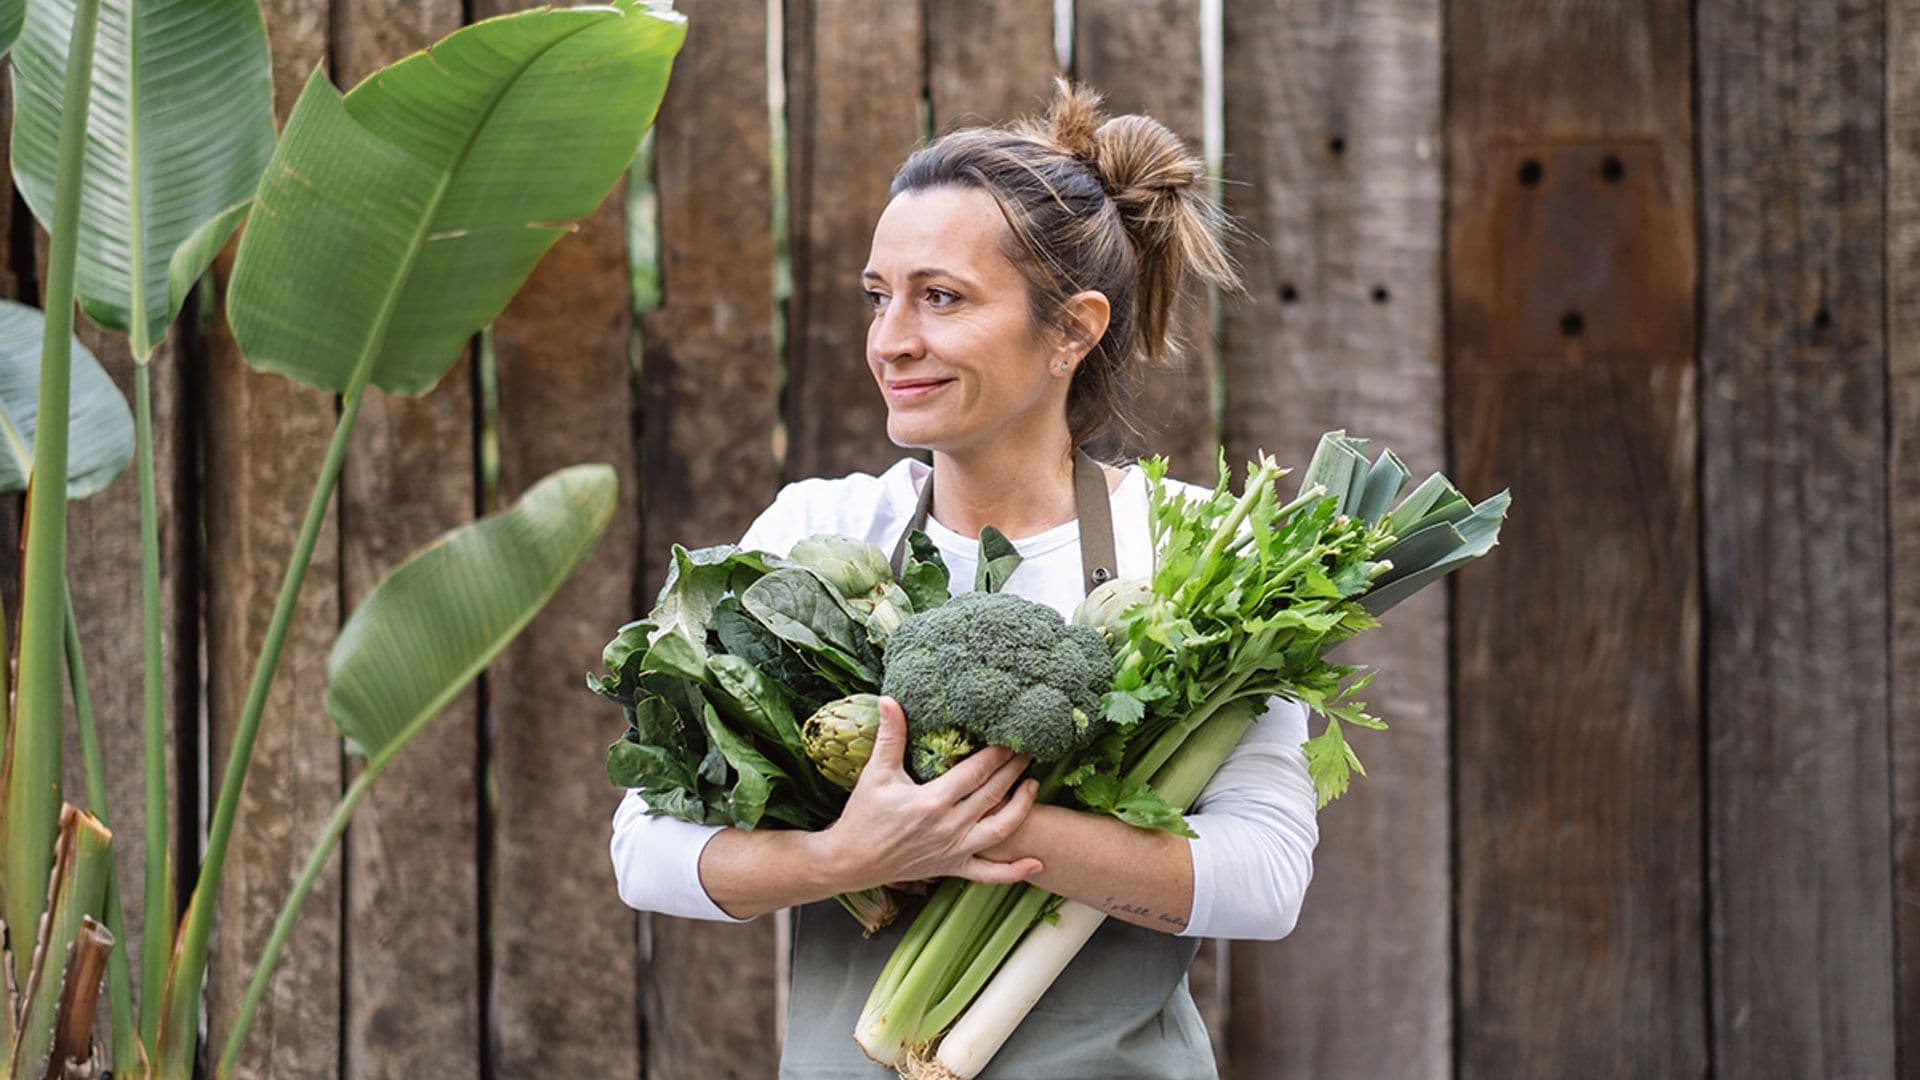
x,y
393,223
100,426
12,14
180,128
428,629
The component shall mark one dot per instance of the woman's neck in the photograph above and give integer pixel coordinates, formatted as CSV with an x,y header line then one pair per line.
x,y
1021,488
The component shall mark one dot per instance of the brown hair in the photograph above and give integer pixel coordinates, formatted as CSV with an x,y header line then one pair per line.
x,y
1118,205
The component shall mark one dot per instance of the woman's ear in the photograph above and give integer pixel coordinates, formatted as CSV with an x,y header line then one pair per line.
x,y
1087,314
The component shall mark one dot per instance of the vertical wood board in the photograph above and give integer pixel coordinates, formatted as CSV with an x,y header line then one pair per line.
x,y
1570,262
564,970
1903,507
1145,58
708,409
1794,423
855,73
411,964
1332,146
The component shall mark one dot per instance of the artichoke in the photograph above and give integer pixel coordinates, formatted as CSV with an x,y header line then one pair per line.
x,y
839,737
860,573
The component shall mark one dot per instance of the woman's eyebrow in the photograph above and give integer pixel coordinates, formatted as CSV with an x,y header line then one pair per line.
x,y
924,272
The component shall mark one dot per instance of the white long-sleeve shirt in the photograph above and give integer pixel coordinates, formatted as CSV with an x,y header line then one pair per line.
x,y
1253,857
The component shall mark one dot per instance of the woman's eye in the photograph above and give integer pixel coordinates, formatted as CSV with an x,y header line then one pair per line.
x,y
939,293
873,298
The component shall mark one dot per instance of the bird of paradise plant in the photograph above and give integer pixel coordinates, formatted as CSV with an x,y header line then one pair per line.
x,y
384,228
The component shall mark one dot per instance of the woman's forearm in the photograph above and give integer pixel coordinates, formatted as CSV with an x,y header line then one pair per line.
x,y
1144,876
751,873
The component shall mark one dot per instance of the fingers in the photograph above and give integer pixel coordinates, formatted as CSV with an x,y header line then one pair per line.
x,y
995,827
890,742
972,771
981,800
999,873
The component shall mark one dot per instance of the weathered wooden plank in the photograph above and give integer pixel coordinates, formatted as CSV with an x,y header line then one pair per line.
x,y
261,440
564,967
854,71
1903,508
989,62
1145,58
411,961
1794,439
1332,130
708,409
1570,300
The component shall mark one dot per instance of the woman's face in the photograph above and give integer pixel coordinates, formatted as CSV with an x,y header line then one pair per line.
x,y
951,345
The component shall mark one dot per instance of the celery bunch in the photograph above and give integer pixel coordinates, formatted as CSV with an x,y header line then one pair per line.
x,y
1248,595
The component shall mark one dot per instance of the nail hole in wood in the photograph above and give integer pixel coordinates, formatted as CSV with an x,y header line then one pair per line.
x,y
1288,294
1572,324
1822,318
1530,173
1611,170
1337,145
1381,295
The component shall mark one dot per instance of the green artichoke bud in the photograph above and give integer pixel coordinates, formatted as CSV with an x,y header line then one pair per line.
x,y
848,565
839,737
1108,607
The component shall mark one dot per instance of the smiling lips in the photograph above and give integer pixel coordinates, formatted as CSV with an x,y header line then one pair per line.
x,y
908,389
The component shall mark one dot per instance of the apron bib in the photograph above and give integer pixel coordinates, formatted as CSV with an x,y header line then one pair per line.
x,y
1120,1010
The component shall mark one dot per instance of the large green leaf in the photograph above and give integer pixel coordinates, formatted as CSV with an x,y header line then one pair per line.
x,y
393,223
100,426
12,14
180,128
429,628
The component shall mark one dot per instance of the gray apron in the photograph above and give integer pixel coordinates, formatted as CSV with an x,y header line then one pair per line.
x,y
1121,1008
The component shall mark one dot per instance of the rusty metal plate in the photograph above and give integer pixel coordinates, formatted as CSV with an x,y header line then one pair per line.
x,y
1567,251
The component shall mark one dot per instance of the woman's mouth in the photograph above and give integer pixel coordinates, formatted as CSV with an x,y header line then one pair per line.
x,y
910,389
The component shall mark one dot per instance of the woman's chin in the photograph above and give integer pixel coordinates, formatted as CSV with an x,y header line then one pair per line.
x,y
917,432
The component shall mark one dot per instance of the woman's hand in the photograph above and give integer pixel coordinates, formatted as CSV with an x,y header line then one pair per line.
x,y
896,829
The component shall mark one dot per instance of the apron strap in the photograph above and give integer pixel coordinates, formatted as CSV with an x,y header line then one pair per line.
x,y
1091,503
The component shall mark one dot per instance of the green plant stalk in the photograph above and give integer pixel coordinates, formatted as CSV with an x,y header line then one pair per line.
x,y
84,867
892,1020
32,799
290,910
156,928
183,983
126,1058
1005,934
915,939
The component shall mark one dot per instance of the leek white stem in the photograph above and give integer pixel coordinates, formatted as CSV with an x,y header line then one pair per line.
x,y
1038,960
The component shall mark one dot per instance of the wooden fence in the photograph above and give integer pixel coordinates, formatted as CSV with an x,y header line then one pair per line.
x,y
1651,801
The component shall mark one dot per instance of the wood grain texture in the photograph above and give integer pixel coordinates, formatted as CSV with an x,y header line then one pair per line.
x,y
1795,470
1145,58
262,440
1332,137
854,75
708,411
1577,752
1903,507
989,61
411,964
564,961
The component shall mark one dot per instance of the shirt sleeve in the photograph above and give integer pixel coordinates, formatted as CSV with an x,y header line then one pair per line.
x,y
1257,830
656,857
656,862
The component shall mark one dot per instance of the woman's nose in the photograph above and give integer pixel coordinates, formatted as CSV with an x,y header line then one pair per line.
x,y
894,334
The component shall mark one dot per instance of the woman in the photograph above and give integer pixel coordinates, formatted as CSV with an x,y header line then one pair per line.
x,y
1019,279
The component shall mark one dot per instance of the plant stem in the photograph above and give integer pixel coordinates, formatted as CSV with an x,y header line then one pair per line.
x,y
183,980
1007,932
119,979
157,924
33,789
290,911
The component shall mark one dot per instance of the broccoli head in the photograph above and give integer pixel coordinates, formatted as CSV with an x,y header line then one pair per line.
x,y
995,669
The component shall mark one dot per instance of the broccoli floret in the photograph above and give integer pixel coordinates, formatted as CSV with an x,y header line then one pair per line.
x,y
993,668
